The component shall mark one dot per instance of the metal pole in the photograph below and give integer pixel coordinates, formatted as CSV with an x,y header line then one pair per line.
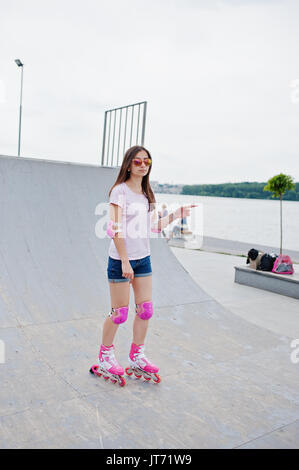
x,y
20,116
119,138
138,124
281,224
104,138
125,131
108,137
132,121
144,119
112,157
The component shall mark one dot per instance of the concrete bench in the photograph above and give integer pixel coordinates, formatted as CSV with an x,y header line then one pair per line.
x,y
285,284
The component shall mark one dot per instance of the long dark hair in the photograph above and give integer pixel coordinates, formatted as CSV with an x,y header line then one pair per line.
x,y
124,174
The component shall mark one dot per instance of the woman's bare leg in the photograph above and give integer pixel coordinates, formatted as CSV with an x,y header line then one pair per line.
x,y
120,296
143,293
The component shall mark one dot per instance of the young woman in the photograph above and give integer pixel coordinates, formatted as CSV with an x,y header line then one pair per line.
x,y
131,207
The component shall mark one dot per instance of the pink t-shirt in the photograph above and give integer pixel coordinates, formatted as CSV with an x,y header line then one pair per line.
x,y
136,221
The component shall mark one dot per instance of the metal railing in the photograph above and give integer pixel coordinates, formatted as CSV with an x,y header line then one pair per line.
x,y
123,128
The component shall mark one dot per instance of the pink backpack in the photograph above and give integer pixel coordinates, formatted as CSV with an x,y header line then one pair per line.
x,y
283,265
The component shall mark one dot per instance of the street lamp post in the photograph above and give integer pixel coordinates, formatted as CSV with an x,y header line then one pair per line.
x,y
19,64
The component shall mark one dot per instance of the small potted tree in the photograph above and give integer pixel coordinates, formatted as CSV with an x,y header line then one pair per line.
x,y
278,185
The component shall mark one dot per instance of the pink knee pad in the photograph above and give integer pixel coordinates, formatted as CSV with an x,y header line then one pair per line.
x,y
121,314
144,310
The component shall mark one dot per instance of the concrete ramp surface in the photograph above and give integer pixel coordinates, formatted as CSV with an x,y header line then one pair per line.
x,y
225,382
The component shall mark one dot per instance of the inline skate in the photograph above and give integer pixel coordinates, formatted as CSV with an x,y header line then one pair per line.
x,y
141,366
108,367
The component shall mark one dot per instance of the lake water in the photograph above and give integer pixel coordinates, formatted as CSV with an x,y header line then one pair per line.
x,y
255,221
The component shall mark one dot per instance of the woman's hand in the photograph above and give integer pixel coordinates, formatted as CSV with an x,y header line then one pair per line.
x,y
183,211
127,270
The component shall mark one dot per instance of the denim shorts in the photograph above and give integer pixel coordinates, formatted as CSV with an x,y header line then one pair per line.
x,y
141,267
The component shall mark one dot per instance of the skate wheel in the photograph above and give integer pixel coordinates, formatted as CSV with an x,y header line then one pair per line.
x,y
137,376
157,379
129,371
147,379
122,382
106,378
113,381
94,370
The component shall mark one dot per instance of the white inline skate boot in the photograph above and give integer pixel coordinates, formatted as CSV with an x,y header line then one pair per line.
x,y
108,366
140,365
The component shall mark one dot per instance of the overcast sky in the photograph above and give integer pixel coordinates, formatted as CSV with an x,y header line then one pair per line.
x,y
221,78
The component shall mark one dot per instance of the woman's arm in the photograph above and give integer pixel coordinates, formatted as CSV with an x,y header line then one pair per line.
x,y
119,242
181,212
164,221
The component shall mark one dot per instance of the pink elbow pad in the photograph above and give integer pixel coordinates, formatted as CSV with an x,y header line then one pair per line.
x,y
111,231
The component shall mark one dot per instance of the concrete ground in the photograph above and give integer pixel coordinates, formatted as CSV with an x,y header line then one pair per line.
x,y
224,350
214,272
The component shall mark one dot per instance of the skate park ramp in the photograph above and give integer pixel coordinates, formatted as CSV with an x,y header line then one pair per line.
x,y
226,383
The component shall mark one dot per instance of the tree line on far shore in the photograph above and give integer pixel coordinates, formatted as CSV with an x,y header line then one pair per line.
x,y
238,190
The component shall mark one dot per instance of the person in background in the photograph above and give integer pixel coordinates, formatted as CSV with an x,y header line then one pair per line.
x,y
164,214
